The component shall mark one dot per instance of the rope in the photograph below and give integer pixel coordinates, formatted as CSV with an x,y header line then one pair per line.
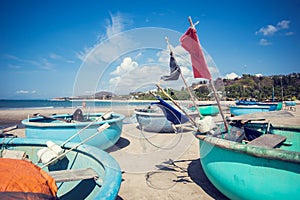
x,y
163,148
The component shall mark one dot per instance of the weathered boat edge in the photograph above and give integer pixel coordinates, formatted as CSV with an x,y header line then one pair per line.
x,y
241,171
275,154
109,189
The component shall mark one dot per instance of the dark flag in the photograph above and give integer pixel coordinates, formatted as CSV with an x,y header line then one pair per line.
x,y
174,70
170,112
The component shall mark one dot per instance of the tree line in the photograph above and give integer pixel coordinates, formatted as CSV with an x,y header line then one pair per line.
x,y
259,88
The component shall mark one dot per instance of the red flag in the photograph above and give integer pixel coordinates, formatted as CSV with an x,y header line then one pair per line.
x,y
189,41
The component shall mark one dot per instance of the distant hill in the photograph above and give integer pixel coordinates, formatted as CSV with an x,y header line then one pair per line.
x,y
102,95
262,87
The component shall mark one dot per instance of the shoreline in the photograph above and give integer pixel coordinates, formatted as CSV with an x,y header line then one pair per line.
x,y
10,117
14,116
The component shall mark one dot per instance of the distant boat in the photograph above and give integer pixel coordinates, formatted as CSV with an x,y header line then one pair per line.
x,y
245,102
207,109
272,105
153,121
153,118
268,167
62,127
84,173
290,103
243,110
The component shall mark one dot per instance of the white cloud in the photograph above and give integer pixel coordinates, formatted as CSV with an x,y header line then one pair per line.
x,y
270,30
267,31
126,66
289,33
284,24
22,92
258,75
264,42
107,49
55,56
231,76
41,63
116,25
137,79
26,92
131,76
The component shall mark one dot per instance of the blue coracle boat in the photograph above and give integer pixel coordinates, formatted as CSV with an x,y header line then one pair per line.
x,y
268,167
272,105
103,183
161,118
153,121
62,127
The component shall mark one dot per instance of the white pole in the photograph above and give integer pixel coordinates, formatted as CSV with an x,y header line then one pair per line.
x,y
91,123
100,129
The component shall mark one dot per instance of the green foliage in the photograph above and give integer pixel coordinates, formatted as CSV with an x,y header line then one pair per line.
x,y
248,86
261,88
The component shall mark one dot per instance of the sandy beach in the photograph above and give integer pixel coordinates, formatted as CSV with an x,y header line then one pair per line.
x,y
150,170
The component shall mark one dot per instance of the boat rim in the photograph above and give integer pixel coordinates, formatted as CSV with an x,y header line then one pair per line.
x,y
274,154
27,122
152,114
110,165
250,106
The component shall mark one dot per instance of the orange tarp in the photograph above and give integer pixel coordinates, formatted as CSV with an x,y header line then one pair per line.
x,y
25,177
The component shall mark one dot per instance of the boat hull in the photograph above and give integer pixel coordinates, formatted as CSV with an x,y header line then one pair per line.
x,y
41,128
243,171
208,110
272,105
243,110
108,170
153,122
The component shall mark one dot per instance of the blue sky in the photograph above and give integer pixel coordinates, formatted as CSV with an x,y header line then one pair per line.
x,y
63,48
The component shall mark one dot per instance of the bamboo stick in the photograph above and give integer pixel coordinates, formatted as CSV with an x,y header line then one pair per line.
x,y
176,104
185,83
212,84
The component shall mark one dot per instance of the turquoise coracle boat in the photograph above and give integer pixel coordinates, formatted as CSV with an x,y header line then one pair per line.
x,y
62,127
243,110
207,109
268,167
85,172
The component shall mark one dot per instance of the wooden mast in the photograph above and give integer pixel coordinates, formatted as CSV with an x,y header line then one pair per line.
x,y
185,83
212,84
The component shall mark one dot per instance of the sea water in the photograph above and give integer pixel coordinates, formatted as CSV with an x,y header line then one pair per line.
x,y
42,104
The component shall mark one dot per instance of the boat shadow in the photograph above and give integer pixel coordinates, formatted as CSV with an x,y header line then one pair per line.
x,y
196,173
162,131
81,191
121,143
119,198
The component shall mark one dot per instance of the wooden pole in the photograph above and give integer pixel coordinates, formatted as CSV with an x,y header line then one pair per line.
x,y
219,104
176,104
212,84
185,83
